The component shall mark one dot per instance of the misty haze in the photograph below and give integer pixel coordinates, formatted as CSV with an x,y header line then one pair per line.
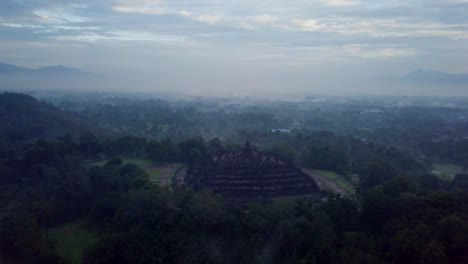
x,y
213,131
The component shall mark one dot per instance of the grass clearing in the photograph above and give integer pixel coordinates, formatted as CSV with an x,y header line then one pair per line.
x,y
153,172
161,173
446,171
336,178
154,175
328,174
140,162
345,185
71,240
355,179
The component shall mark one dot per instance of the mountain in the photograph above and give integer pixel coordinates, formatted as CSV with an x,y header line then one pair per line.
x,y
434,77
9,69
58,70
58,77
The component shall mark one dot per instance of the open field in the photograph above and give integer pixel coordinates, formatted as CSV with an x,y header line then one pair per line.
x,y
336,178
446,171
328,180
355,179
168,171
71,240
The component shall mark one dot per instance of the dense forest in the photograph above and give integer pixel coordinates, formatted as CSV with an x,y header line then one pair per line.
x,y
64,163
24,118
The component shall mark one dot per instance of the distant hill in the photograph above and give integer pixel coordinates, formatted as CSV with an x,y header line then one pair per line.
x,y
9,69
435,76
49,70
23,118
58,77
59,69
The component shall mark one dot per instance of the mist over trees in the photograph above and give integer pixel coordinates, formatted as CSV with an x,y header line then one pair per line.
x,y
210,131
98,170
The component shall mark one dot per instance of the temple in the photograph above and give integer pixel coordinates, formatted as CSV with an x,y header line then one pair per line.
x,y
251,175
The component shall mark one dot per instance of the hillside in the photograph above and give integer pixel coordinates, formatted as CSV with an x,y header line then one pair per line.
x,y
24,118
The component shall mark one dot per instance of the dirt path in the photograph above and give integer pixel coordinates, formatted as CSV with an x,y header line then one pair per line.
x,y
325,184
166,175
169,171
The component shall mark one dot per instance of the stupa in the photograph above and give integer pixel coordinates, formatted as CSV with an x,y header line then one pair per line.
x,y
251,175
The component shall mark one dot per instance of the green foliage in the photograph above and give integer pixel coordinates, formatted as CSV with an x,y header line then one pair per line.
x,y
460,182
21,241
117,178
162,151
71,240
397,219
125,146
24,118
375,174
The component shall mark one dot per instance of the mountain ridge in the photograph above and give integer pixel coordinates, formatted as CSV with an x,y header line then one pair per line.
x,y
6,68
421,74
428,77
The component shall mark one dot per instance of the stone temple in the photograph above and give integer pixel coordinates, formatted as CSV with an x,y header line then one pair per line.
x,y
251,175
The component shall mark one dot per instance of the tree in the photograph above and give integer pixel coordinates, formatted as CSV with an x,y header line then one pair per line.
x,y
434,252
376,173
89,144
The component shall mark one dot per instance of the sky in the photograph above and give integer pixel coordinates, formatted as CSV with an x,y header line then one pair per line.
x,y
215,47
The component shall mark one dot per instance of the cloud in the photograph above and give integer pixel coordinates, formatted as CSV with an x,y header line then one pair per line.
x,y
210,19
14,25
141,10
59,16
264,19
301,55
341,3
127,36
307,24
268,36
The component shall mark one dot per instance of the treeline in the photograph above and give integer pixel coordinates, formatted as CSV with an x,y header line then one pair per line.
x,y
42,186
437,133
317,150
23,118
158,151
374,163
397,223
455,151
180,120
396,219
329,151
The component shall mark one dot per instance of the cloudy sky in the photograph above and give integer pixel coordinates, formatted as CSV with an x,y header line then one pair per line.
x,y
238,47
